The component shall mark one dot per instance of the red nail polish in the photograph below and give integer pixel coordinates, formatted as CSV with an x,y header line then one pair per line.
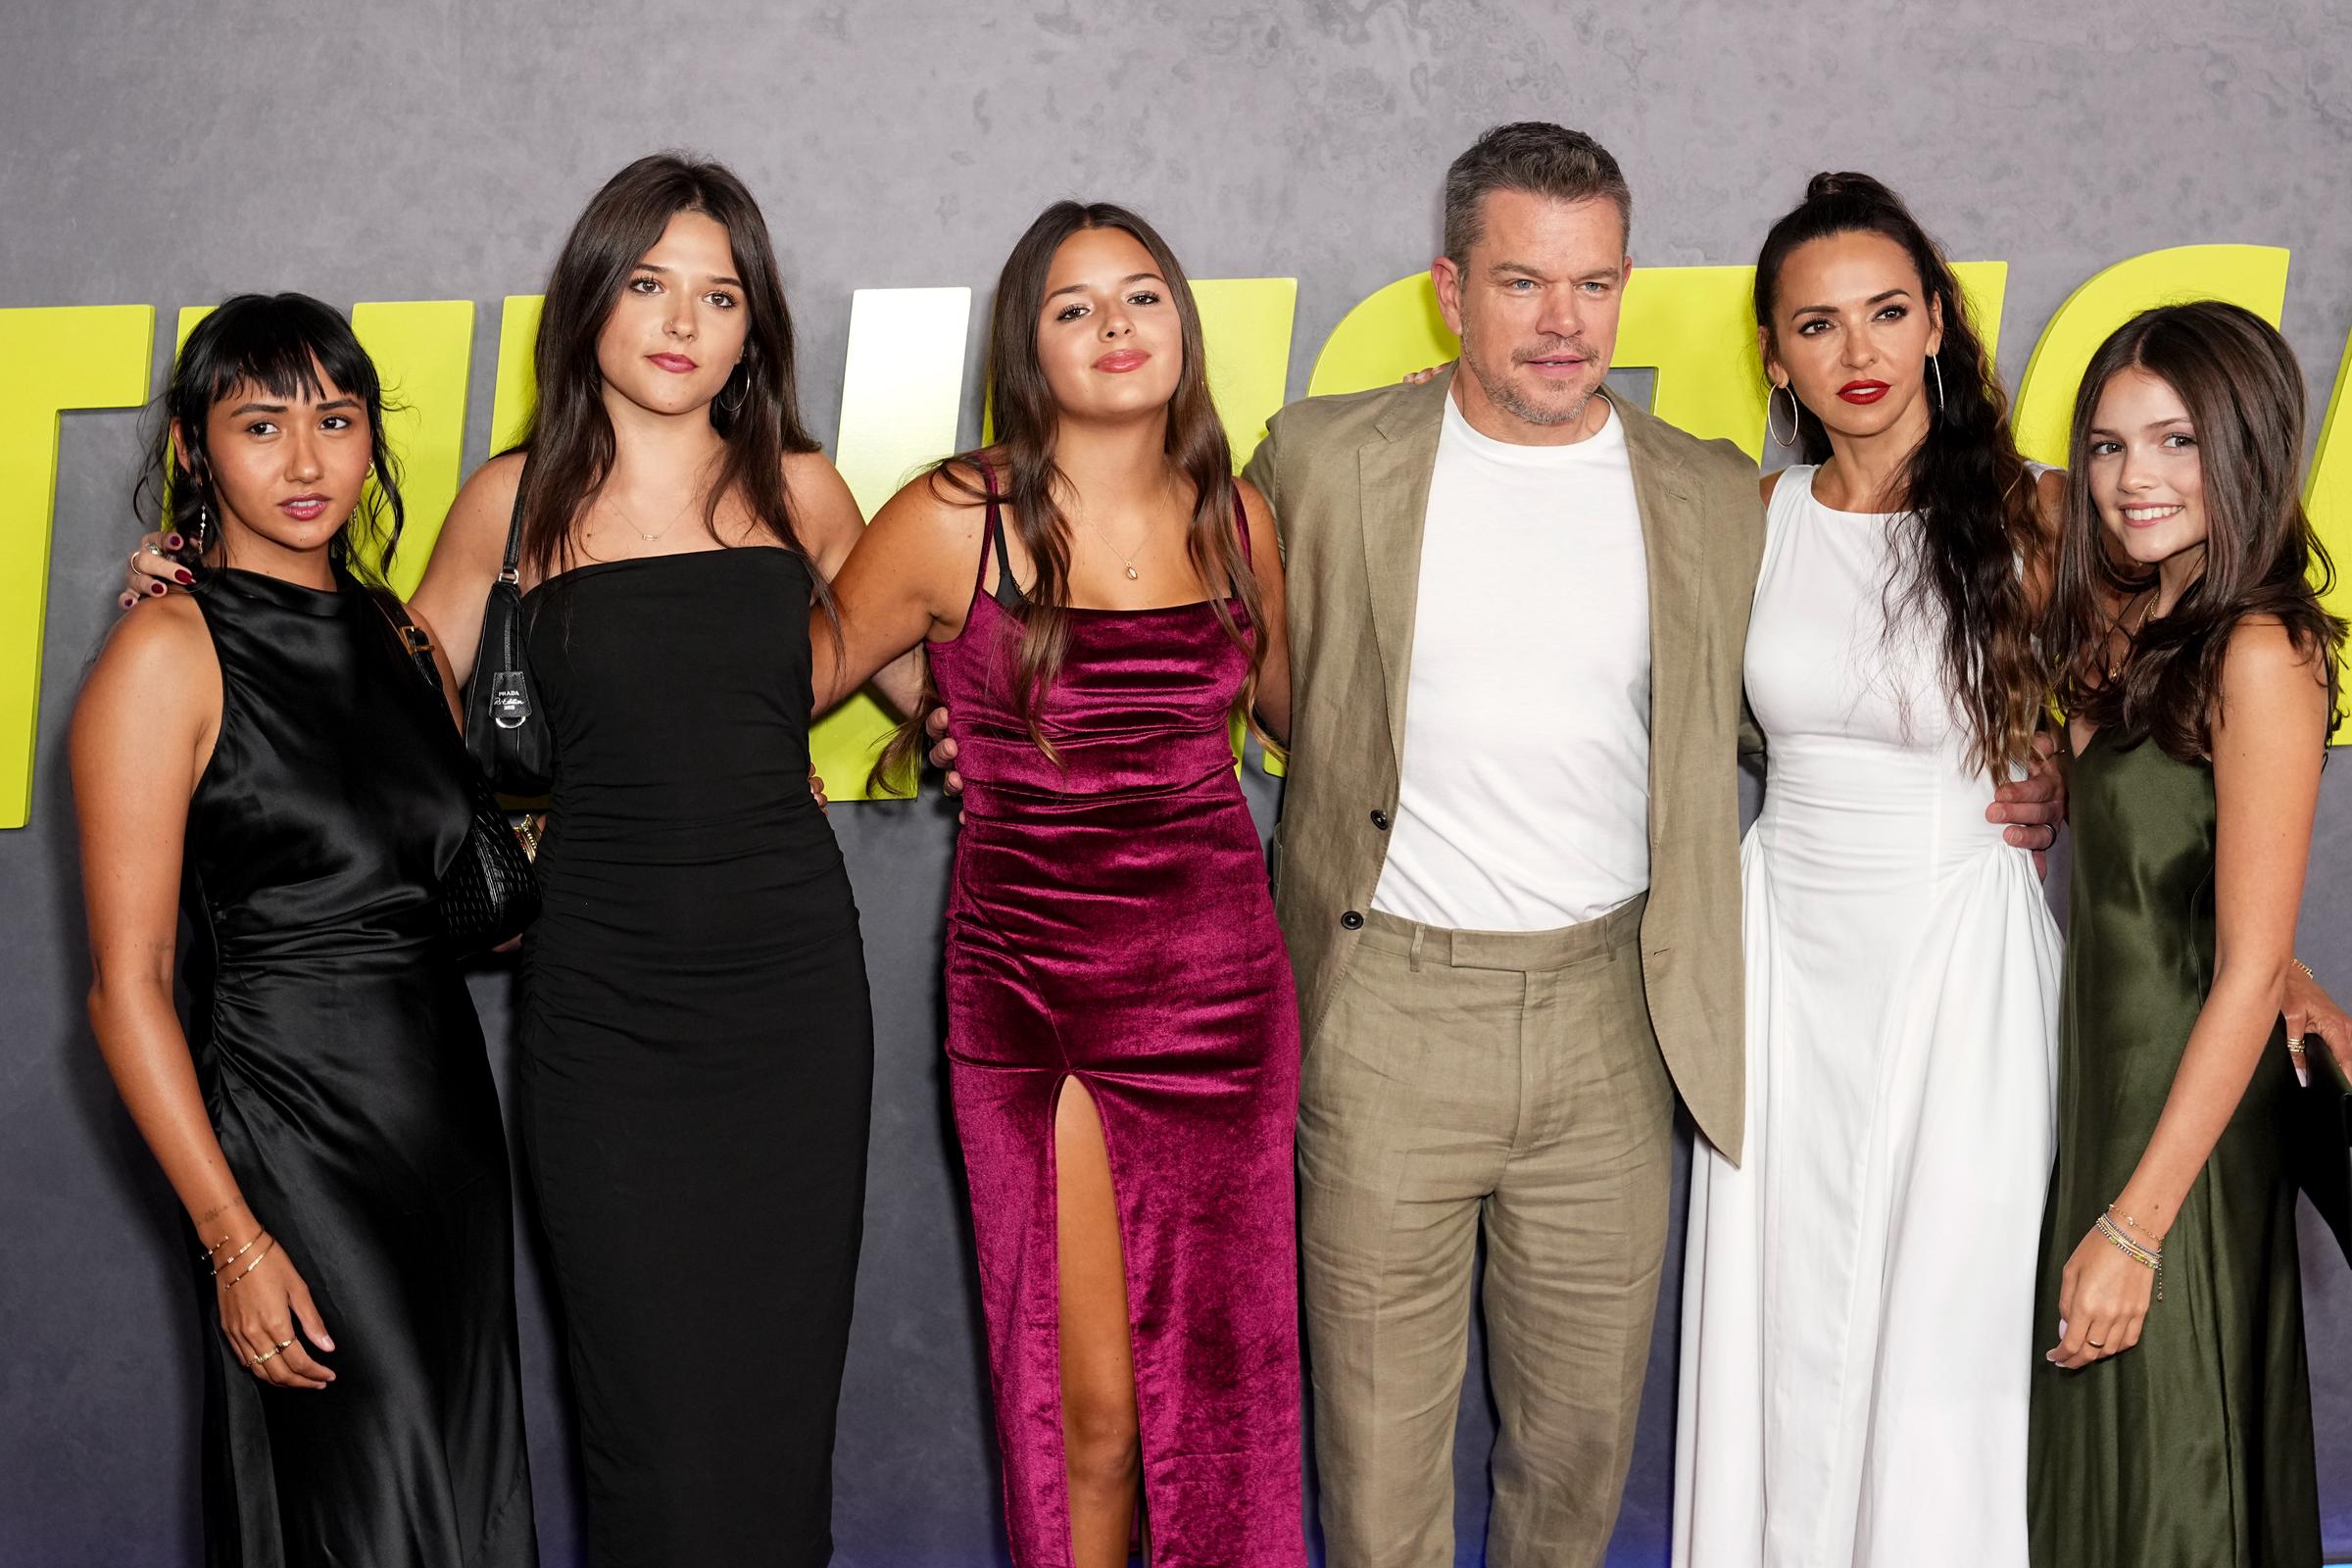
x,y
184,575
173,541
155,587
128,600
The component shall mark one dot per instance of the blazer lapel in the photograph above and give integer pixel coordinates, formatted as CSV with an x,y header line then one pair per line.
x,y
1669,542
1392,474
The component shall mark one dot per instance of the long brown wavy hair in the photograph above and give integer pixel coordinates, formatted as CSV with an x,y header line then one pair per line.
x,y
757,413
1030,485
2244,395
1966,489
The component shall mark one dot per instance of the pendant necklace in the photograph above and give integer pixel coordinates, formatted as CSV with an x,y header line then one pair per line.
x,y
1129,561
637,527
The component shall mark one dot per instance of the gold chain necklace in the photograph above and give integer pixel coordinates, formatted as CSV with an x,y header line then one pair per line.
x,y
637,527
2115,667
1129,561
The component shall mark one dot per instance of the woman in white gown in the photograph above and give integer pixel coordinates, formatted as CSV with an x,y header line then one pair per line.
x,y
1857,1301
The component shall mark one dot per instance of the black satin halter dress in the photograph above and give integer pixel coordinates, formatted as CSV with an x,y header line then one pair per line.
x,y
343,1070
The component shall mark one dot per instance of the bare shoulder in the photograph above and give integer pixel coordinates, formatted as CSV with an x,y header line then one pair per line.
x,y
158,659
495,482
811,476
1254,504
485,503
1769,483
2265,656
941,507
159,636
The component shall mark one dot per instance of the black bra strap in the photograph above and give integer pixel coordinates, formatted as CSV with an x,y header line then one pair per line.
x,y
1009,592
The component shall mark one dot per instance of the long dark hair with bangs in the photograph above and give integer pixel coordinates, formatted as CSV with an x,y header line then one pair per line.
x,y
2244,395
1967,490
756,413
1031,485
288,345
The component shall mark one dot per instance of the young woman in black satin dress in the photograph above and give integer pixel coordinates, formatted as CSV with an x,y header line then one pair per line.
x,y
259,756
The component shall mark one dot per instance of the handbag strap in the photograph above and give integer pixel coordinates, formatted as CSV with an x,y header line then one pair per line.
x,y
505,567
413,640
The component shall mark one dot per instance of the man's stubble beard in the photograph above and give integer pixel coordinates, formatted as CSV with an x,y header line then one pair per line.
x,y
1505,396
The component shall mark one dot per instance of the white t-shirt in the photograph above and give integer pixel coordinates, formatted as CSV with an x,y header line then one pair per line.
x,y
1524,804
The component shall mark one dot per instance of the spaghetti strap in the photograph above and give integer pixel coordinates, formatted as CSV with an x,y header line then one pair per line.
x,y
1009,592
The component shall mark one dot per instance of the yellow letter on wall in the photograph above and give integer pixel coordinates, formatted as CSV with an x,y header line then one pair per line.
x,y
74,357
2252,276
422,350
1246,327
901,394
515,393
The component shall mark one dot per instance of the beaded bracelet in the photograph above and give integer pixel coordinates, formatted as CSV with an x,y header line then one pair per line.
x,y
2149,1260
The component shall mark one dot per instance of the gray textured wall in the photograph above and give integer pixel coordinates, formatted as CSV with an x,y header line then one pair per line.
x,y
437,150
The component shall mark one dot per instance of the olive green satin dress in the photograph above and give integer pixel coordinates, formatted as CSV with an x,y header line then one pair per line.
x,y
2194,1448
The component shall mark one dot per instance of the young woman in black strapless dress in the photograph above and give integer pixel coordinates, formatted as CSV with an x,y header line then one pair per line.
x,y
259,756
697,1044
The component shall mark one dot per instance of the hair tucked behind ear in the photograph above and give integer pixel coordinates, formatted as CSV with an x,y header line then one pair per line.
x,y
2244,395
1966,488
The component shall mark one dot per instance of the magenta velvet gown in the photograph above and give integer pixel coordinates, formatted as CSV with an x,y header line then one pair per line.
x,y
1110,920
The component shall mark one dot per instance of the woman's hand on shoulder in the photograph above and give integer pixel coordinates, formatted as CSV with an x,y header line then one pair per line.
x,y
158,565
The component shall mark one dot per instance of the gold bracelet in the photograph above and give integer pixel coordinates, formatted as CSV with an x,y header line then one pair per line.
x,y
2151,1261
2305,968
256,1263
2153,1239
223,1263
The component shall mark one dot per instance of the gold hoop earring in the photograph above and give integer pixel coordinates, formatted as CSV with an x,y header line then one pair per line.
x,y
1770,409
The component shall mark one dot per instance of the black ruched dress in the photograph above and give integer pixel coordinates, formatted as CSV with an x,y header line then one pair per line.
x,y
343,1071
697,1059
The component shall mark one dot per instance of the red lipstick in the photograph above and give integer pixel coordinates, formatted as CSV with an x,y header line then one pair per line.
x,y
1863,392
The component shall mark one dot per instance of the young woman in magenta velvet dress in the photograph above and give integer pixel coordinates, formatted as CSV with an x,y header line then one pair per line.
x,y
1097,596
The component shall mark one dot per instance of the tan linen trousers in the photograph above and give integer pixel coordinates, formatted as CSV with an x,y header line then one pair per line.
x,y
1509,1080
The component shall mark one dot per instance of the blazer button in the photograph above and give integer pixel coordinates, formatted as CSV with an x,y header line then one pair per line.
x,y
1351,921
1380,820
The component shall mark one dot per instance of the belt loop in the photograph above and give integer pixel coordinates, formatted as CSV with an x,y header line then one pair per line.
x,y
1413,961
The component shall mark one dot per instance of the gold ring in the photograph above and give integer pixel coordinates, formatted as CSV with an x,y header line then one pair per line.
x,y
2294,1045
264,1357
2096,1345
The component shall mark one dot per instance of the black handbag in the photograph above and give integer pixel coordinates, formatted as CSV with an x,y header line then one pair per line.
x,y
489,892
2320,1140
504,730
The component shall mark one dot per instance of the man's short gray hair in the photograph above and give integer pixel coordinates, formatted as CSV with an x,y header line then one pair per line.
x,y
1533,155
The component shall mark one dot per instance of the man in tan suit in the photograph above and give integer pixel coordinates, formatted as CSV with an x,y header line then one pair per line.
x,y
1508,867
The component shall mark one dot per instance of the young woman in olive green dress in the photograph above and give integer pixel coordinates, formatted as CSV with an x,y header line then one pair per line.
x,y
2174,1425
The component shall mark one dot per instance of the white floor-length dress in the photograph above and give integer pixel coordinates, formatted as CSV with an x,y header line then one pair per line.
x,y
1857,1301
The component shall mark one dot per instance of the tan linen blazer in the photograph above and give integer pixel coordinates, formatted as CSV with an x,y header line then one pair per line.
x,y
1348,481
